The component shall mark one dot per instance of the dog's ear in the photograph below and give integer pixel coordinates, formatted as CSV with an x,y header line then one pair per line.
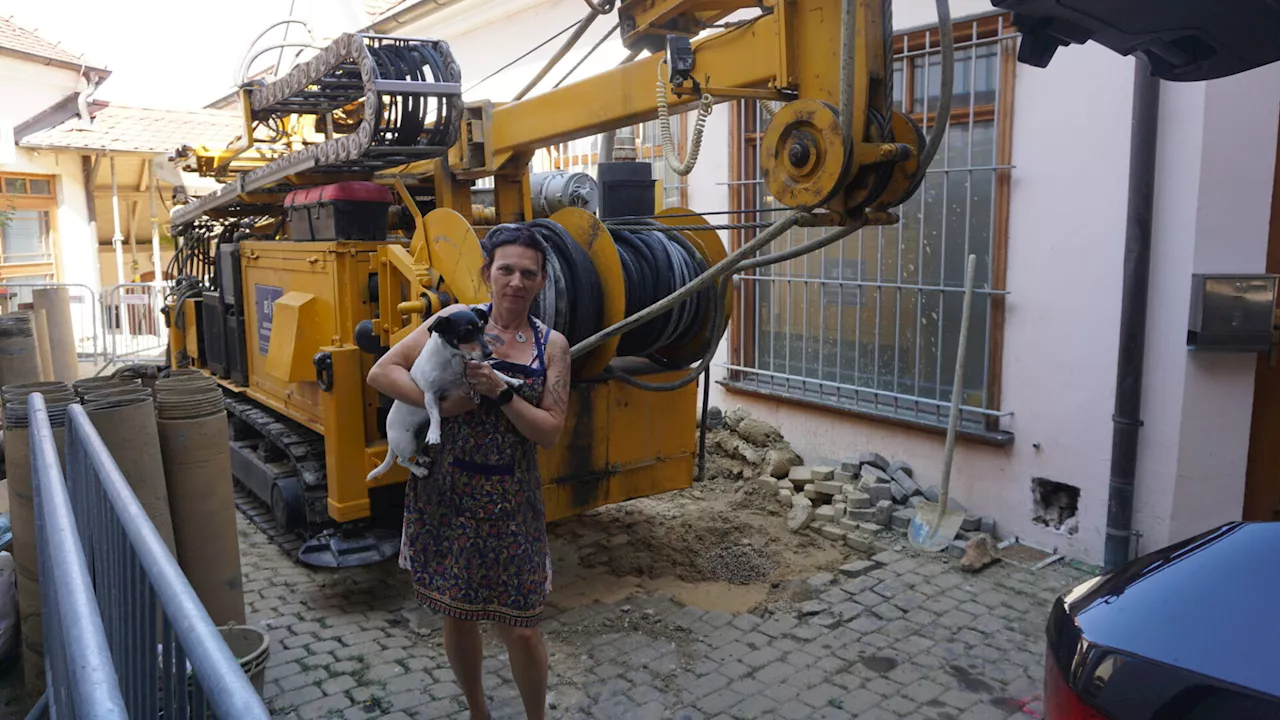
x,y
441,325
482,315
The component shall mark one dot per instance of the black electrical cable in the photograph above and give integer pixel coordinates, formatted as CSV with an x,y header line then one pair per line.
x,y
628,219
655,263
718,325
583,298
511,64
583,59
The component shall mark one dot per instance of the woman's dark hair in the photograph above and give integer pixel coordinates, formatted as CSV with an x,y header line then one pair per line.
x,y
511,234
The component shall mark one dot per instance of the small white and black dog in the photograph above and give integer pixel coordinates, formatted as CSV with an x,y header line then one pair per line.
x,y
439,370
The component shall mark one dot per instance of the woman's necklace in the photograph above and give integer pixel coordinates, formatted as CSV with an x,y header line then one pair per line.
x,y
520,336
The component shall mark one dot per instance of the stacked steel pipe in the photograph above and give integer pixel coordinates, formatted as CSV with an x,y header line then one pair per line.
x,y
195,446
57,395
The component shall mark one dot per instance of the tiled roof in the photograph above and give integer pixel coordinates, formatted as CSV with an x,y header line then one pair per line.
x,y
129,129
15,37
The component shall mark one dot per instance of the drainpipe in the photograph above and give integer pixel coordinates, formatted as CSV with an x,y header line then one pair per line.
x,y
1127,419
82,99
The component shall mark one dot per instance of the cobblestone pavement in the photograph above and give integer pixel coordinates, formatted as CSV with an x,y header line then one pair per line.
x,y
898,637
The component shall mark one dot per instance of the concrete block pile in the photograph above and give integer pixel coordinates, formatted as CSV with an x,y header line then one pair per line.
x,y
860,499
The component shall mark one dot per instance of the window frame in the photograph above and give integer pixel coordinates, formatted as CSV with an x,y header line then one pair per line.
x,y
39,203
998,30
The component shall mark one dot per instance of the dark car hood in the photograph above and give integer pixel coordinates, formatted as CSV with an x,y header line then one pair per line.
x,y
1207,604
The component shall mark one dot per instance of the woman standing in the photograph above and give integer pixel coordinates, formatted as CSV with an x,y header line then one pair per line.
x,y
475,539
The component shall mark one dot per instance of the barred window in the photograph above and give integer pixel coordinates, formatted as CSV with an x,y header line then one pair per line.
x,y
870,325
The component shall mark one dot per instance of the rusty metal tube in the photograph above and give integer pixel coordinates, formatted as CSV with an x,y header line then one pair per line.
x,y
43,351
195,447
56,304
19,356
128,428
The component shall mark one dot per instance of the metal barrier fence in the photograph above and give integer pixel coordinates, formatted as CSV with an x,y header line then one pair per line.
x,y
148,618
133,320
85,312
80,678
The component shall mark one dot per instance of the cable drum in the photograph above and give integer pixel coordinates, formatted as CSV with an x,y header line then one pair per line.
x,y
656,263
576,282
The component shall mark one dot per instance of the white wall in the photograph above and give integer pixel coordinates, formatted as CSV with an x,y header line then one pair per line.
x,y
1216,170
487,34
29,87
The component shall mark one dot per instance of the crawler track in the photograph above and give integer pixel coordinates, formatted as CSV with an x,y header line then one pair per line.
x,y
296,450
260,515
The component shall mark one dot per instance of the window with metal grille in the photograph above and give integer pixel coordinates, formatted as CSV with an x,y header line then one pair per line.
x,y
870,325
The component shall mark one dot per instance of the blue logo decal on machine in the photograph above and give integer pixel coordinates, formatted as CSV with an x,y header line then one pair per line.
x,y
264,298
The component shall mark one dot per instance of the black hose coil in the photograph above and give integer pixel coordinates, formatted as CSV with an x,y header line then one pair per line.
x,y
655,263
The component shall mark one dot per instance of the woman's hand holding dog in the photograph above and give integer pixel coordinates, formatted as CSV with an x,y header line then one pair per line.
x,y
483,380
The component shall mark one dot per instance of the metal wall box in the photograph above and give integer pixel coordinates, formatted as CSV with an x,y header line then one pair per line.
x,y
1232,312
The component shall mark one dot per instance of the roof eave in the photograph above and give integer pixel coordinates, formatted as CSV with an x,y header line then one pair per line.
x,y
90,150
45,60
407,13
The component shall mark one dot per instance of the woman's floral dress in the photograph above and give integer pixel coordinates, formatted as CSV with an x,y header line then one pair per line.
x,y
475,535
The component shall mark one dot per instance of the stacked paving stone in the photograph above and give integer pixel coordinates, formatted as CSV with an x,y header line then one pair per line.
x,y
861,498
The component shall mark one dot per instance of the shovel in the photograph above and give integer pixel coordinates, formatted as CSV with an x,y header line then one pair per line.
x,y
934,526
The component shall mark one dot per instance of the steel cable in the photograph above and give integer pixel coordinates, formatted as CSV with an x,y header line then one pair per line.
x,y
655,263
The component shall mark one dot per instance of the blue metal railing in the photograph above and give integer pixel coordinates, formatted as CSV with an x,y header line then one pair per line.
x,y
145,614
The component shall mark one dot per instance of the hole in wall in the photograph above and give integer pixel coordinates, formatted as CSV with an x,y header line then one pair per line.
x,y
1055,505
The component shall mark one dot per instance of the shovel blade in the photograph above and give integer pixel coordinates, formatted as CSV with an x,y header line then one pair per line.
x,y
929,533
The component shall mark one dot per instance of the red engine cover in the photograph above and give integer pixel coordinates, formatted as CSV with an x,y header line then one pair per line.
x,y
349,191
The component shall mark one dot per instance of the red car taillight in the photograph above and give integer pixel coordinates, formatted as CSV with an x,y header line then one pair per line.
x,y
1060,701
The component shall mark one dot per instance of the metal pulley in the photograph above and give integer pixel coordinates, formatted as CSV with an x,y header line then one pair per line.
x,y
556,190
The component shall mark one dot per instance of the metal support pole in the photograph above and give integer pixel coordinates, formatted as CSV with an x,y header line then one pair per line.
x,y
157,279
117,239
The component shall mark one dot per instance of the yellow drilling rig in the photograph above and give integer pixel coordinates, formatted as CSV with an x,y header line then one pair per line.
x,y
347,216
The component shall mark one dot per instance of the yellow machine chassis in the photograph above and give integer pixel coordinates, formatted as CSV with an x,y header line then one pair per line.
x,y
620,442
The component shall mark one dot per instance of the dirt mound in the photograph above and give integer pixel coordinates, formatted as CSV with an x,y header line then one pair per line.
x,y
741,449
698,539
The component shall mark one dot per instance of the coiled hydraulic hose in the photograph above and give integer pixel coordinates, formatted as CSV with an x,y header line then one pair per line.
x,y
729,264
654,264
669,152
717,310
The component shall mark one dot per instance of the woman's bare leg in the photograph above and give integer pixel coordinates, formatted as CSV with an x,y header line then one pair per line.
x,y
529,667
465,648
